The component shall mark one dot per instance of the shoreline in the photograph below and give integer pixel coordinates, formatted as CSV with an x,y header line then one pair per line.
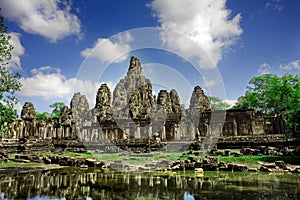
x,y
156,162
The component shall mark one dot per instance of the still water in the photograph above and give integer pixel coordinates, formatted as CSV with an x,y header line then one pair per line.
x,y
90,184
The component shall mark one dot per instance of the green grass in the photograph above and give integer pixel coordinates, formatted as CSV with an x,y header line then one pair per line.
x,y
256,159
71,154
19,164
138,159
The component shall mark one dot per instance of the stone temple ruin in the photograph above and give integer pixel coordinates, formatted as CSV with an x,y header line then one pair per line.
x,y
133,117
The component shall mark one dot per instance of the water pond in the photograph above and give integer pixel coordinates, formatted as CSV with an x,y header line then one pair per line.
x,y
72,183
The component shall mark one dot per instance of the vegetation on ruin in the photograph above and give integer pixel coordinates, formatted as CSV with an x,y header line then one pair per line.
x,y
279,96
218,104
9,81
56,112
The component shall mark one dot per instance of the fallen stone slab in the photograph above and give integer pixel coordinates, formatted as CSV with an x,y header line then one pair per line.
x,y
270,165
21,160
280,164
90,162
252,169
265,169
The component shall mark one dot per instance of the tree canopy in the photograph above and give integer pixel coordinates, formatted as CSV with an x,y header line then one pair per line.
x,y
56,112
271,94
218,104
9,81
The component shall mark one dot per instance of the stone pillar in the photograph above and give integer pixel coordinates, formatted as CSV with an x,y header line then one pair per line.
x,y
192,132
106,134
183,130
150,131
116,133
176,131
163,133
220,130
101,134
234,125
137,133
127,132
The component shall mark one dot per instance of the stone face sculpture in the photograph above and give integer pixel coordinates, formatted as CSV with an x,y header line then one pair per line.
x,y
199,103
103,109
164,101
66,116
79,106
132,97
28,112
175,101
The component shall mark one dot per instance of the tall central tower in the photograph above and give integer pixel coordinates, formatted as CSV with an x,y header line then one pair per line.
x,y
133,97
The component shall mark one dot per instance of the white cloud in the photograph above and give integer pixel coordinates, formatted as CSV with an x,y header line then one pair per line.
x,y
206,22
264,69
17,51
49,83
231,102
51,19
46,82
210,83
292,65
107,50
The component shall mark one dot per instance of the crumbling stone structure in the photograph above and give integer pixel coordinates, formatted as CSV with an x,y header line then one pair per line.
x,y
132,113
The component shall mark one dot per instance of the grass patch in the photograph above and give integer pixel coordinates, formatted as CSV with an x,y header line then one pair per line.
x,y
295,160
109,156
71,154
9,164
256,159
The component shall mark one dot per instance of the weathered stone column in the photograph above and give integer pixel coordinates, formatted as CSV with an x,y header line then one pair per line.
x,y
150,131
163,133
127,132
106,134
235,132
192,132
220,130
116,133
176,131
137,133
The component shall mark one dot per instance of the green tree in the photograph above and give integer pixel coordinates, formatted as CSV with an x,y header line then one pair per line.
x,y
56,112
271,94
9,81
218,104
44,115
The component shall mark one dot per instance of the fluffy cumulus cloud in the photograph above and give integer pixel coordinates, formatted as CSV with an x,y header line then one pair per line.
x,y
108,50
264,68
292,65
207,22
17,51
51,19
49,83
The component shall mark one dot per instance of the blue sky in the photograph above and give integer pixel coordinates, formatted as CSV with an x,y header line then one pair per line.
x,y
65,46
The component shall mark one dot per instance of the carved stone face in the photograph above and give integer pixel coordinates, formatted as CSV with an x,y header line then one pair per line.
x,y
28,111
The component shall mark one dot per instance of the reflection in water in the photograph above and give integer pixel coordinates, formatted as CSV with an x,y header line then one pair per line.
x,y
93,184
188,196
